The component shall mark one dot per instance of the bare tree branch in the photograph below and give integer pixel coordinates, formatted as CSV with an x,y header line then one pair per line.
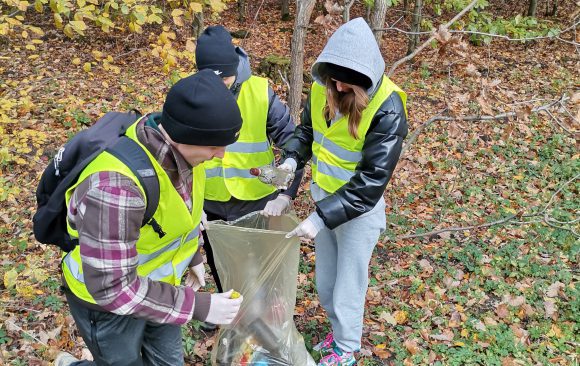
x,y
473,118
509,219
507,38
426,43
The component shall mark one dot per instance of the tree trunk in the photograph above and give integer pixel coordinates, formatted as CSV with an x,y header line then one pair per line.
x,y
415,26
378,19
285,8
197,24
242,6
533,5
405,7
303,13
368,9
346,10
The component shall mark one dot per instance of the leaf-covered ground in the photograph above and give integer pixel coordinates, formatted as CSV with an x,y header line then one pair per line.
x,y
503,294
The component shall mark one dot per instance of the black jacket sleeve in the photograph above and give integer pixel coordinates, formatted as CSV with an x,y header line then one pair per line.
x,y
299,147
380,154
280,128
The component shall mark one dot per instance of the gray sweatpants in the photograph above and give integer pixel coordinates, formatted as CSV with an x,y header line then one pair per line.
x,y
342,261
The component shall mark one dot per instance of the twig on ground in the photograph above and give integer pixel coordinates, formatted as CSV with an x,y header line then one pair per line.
x,y
473,118
509,219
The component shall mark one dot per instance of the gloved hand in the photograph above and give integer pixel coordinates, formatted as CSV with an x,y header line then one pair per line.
x,y
277,206
305,230
288,165
222,309
203,224
196,277
309,228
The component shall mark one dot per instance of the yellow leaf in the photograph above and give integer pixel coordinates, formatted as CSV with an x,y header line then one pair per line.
x,y
196,7
76,61
518,177
97,54
24,34
37,41
24,290
178,21
87,67
400,316
464,333
176,12
38,6
68,30
459,344
190,46
381,346
30,47
23,5
58,20
78,25
33,57
10,278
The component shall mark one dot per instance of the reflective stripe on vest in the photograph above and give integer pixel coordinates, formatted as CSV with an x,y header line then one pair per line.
x,y
335,153
164,259
231,176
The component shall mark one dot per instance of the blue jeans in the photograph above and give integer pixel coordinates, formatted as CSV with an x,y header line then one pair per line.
x,y
125,340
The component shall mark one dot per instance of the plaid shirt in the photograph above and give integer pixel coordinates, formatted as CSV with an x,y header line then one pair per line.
x,y
107,209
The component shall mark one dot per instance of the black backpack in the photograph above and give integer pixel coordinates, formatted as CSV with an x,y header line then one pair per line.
x,y
107,134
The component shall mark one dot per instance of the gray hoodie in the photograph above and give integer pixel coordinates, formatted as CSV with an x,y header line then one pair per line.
x,y
353,45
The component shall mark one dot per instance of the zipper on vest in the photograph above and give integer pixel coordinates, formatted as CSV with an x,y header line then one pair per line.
x,y
156,227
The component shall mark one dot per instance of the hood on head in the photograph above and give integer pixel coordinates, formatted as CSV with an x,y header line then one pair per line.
x,y
244,71
353,46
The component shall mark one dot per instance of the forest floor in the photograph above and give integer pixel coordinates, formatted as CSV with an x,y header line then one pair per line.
x,y
504,292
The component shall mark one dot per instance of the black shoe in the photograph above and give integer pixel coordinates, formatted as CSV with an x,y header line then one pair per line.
x,y
208,327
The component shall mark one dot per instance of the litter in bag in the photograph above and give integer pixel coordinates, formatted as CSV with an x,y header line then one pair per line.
x,y
253,257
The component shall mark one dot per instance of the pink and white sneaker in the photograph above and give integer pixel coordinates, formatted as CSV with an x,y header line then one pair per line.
x,y
338,357
326,345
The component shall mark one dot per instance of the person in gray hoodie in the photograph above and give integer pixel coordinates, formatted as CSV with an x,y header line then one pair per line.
x,y
231,191
352,128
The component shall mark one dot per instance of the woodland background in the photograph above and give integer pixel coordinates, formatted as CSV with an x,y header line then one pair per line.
x,y
480,262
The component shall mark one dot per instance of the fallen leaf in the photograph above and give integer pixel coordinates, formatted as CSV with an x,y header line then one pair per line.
x,y
10,278
550,308
387,317
400,316
554,289
411,346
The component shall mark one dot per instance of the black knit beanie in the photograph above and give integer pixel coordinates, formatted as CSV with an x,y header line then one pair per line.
x,y
215,51
347,75
200,110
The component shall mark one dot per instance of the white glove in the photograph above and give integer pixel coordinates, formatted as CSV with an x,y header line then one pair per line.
x,y
222,309
203,224
288,165
277,207
196,277
309,228
305,230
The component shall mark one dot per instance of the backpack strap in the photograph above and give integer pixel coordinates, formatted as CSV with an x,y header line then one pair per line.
x,y
132,155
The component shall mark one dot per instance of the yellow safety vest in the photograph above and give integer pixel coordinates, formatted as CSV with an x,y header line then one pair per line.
x,y
335,153
231,176
160,259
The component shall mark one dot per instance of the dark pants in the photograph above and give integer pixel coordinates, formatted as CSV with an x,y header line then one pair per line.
x,y
125,340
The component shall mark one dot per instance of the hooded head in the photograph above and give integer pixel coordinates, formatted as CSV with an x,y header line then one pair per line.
x,y
351,54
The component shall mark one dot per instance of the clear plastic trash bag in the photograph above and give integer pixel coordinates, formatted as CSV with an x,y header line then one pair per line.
x,y
253,257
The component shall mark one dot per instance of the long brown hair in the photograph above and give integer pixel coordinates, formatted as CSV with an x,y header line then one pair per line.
x,y
351,104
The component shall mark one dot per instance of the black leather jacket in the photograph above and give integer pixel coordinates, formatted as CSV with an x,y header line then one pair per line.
x,y
380,154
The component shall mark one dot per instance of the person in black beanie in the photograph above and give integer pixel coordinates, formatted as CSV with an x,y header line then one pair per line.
x,y
128,301
266,120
